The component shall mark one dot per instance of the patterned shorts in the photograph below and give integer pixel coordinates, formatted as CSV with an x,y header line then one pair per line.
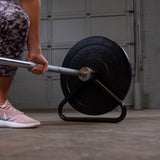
x,y
14,26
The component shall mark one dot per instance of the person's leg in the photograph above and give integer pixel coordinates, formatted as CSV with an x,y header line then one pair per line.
x,y
5,83
14,26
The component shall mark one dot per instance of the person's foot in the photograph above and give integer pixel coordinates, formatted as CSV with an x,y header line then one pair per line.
x,y
12,118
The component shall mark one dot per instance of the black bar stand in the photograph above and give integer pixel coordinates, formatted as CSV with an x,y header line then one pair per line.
x,y
92,119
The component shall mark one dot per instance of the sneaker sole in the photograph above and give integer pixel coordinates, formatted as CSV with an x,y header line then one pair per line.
x,y
7,124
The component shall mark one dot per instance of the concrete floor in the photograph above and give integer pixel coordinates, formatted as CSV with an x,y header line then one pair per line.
x,y
135,138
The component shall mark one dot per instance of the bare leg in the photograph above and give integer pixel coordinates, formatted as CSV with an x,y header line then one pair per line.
x,y
5,83
13,39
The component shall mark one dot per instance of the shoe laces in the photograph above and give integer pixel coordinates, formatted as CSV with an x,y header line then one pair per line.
x,y
9,107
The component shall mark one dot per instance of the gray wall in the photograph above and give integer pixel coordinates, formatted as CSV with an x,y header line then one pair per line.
x,y
111,18
150,40
64,23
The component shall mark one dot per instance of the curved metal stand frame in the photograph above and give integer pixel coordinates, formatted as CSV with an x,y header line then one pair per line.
x,y
92,119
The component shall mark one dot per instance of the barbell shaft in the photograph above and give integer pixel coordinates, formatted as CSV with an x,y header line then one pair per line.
x,y
51,68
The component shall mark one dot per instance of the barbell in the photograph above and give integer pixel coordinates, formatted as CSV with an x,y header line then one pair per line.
x,y
95,78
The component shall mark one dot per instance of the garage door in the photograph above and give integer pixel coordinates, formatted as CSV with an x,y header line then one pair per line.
x,y
63,23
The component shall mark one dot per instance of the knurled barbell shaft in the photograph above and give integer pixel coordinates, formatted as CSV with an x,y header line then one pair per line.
x,y
51,68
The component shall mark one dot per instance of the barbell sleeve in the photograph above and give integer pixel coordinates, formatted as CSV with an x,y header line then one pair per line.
x,y
30,65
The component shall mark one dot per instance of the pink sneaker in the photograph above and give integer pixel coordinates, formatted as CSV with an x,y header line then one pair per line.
x,y
11,117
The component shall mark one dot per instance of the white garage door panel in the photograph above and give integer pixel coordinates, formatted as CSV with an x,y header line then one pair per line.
x,y
108,5
25,74
44,32
112,27
129,98
57,95
30,93
58,56
63,23
62,7
45,7
68,31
